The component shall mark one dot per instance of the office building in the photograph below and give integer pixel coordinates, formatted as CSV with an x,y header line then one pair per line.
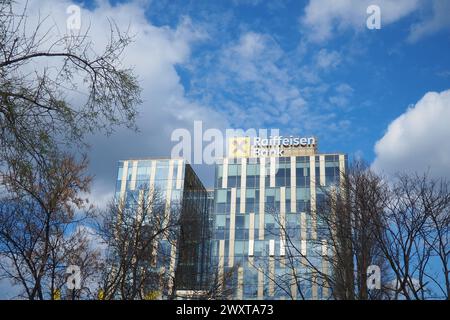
x,y
181,255
267,193
255,231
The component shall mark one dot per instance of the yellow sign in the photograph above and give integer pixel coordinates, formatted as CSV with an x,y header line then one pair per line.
x,y
56,294
152,295
239,147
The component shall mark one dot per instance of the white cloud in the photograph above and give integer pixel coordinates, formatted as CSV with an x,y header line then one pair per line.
x,y
418,140
249,77
328,59
344,88
438,20
324,18
342,95
259,84
251,45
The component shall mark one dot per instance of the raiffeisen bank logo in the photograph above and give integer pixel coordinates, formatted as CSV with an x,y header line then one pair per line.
x,y
277,145
239,147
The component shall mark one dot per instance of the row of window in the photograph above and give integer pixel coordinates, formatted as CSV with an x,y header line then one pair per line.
x,y
331,168
253,207
243,220
270,233
271,194
145,184
298,159
280,181
261,251
144,170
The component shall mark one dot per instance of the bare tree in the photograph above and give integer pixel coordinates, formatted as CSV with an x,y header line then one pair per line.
x,y
140,233
436,201
54,89
400,225
218,285
39,213
336,260
298,265
413,236
356,206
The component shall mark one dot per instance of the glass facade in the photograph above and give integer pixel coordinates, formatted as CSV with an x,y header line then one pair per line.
x,y
264,213
257,228
182,255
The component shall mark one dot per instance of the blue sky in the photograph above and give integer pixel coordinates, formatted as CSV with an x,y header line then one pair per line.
x,y
305,67
384,72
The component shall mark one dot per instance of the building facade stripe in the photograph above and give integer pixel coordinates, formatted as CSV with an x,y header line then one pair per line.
x,y
322,178
133,175
243,184
225,173
232,227
179,180
262,183
312,187
272,171
293,184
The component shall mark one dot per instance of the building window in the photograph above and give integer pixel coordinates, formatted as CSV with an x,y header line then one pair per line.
x,y
221,196
252,170
120,173
232,170
220,221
